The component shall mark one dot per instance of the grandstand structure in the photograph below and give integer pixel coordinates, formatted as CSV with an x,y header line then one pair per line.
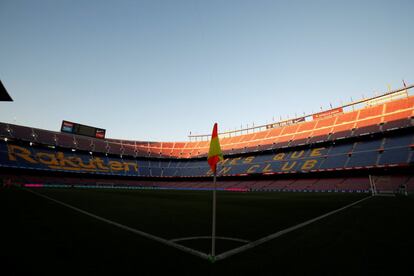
x,y
335,150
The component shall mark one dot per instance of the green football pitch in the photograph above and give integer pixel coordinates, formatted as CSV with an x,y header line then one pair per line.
x,y
100,231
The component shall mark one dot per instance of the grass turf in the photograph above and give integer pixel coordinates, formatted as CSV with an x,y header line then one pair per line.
x,y
41,236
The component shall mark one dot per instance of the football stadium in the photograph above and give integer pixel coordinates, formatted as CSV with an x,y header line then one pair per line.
x,y
136,139
326,189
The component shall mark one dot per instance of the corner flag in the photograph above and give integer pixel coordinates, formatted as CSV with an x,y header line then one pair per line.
x,y
214,154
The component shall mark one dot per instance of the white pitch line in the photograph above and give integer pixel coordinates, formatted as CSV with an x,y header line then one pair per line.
x,y
135,231
209,237
282,232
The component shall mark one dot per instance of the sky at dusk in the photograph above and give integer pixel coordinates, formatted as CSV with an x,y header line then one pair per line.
x,y
156,70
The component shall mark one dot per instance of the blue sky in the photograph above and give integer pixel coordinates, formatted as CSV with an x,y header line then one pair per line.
x,y
156,70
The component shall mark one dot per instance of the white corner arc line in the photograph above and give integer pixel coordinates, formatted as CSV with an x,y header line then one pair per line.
x,y
209,237
282,232
127,228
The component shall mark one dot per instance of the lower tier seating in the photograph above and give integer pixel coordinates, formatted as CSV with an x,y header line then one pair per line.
x,y
389,151
339,184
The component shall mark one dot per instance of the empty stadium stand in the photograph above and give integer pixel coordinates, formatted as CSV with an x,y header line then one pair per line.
x,y
338,184
364,138
372,119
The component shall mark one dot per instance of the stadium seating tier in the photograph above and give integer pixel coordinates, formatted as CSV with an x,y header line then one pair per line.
x,y
369,120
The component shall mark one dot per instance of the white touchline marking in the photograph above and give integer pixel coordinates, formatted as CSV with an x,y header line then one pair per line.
x,y
209,237
282,232
135,231
195,252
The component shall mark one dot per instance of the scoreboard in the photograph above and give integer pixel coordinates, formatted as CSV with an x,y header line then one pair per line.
x,y
74,128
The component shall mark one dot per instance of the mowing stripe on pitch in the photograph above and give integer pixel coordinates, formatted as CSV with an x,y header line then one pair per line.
x,y
282,232
135,231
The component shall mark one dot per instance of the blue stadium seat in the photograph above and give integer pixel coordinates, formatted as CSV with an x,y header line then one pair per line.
x,y
341,148
144,171
167,172
363,159
394,156
240,169
368,145
262,157
155,164
335,161
399,141
155,171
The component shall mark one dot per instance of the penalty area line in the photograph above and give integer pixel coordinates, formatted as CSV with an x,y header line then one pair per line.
x,y
282,232
127,228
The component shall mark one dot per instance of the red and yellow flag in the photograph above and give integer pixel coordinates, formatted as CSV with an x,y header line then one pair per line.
x,y
214,154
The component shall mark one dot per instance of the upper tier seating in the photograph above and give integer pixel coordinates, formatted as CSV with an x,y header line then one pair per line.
x,y
46,137
23,133
83,143
65,140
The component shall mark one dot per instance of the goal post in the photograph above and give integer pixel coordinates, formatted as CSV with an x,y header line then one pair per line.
x,y
372,185
386,185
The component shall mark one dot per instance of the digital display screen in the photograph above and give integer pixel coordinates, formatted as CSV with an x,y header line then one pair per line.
x,y
85,130
74,128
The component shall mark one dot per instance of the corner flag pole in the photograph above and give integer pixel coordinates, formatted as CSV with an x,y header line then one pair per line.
x,y
213,158
213,232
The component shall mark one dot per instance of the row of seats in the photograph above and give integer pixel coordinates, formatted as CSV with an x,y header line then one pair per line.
x,y
380,118
390,183
385,117
384,145
393,150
